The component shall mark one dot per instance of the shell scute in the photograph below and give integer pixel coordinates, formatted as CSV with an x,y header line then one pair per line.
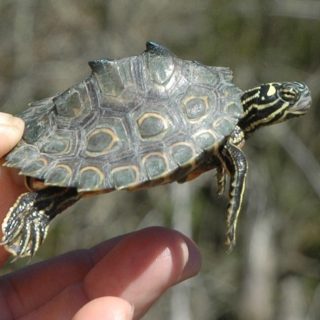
x,y
21,155
38,118
124,177
74,103
108,78
100,141
223,125
58,142
104,138
154,123
182,153
206,75
160,67
35,168
151,124
156,165
59,175
55,146
90,178
206,139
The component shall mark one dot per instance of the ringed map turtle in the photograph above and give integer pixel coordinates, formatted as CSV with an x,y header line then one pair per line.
x,y
138,122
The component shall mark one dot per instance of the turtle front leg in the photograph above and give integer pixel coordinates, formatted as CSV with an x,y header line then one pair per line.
x,y
26,223
234,161
221,180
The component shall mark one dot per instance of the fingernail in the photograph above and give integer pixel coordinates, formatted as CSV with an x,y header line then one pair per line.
x,y
18,122
192,258
131,312
9,120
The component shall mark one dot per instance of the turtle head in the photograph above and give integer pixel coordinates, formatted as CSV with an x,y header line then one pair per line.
x,y
272,103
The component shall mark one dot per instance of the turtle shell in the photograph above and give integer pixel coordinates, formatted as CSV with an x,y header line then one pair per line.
x,y
133,121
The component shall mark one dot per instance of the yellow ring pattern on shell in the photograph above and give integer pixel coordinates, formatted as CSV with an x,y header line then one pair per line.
x,y
92,183
156,165
100,141
152,124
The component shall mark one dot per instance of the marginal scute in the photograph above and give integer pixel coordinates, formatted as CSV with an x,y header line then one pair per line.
x,y
182,153
155,164
34,168
90,178
204,74
231,91
234,108
100,141
225,74
195,107
224,125
125,176
151,124
205,139
20,155
59,175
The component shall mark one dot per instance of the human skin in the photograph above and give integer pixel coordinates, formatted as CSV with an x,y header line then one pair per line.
x,y
120,278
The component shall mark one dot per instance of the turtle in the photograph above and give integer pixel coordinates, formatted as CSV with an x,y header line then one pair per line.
x,y
134,123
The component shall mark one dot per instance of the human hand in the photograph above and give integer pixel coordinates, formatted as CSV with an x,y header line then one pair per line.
x,y
118,279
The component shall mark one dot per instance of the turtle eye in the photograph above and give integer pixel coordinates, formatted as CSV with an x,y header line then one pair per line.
x,y
289,94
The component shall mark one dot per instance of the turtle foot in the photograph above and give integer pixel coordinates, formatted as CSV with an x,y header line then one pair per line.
x,y
24,227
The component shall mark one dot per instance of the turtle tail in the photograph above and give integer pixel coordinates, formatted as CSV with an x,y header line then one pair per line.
x,y
27,221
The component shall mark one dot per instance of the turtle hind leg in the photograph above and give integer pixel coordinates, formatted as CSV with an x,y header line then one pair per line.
x,y
26,223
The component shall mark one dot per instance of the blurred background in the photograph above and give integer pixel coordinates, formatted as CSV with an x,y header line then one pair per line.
x,y
274,272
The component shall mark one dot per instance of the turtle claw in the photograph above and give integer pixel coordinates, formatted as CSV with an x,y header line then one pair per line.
x,y
230,238
25,227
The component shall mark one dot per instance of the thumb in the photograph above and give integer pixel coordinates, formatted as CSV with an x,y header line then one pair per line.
x,y
11,130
